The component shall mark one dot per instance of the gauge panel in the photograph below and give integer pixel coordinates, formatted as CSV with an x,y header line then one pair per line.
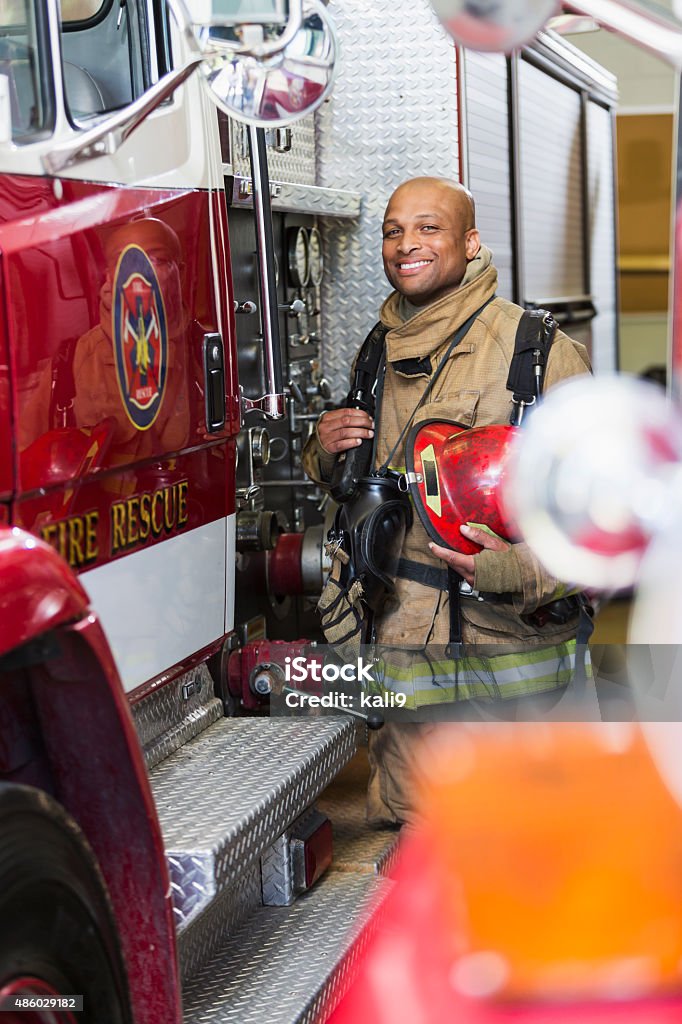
x,y
298,262
315,258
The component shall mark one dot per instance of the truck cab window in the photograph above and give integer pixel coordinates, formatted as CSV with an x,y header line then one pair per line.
x,y
110,55
23,52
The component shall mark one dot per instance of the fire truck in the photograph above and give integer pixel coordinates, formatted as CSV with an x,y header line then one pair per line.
x,y
184,283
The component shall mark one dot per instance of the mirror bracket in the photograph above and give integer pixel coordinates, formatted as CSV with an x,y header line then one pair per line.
x,y
272,406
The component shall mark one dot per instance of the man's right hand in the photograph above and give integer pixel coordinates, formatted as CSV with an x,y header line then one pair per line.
x,y
341,429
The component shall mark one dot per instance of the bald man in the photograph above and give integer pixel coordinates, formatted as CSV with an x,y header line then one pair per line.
x,y
442,275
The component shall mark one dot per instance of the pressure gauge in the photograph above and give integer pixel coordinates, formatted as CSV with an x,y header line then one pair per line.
x,y
259,440
315,260
297,257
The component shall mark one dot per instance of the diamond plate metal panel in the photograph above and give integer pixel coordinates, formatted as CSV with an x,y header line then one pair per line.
x,y
286,197
194,723
193,887
392,115
388,857
282,871
165,719
199,940
297,165
288,965
320,202
223,798
276,874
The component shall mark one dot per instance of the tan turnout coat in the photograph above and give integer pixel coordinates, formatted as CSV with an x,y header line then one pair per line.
x,y
471,390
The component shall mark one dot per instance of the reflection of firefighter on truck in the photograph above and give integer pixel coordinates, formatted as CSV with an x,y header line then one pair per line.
x,y
90,392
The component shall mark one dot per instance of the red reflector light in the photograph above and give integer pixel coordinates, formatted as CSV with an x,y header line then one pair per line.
x,y
312,850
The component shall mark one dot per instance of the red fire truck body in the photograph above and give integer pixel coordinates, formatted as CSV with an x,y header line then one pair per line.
x,y
98,490
93,487
119,411
49,735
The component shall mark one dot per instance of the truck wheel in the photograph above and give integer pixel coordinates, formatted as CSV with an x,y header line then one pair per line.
x,y
57,932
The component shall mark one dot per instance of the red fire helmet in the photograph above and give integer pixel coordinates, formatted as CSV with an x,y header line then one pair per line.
x,y
461,473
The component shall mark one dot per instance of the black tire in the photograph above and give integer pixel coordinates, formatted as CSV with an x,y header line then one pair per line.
x,y
56,922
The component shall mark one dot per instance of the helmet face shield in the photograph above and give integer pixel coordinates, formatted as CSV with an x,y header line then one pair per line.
x,y
456,479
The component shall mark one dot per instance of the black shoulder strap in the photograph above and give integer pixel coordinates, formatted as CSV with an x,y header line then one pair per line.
x,y
365,393
534,337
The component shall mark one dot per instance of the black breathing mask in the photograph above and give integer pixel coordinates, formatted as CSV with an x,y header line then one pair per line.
x,y
371,528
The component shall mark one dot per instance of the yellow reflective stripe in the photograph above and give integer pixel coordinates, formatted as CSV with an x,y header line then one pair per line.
x,y
491,533
451,695
504,676
496,663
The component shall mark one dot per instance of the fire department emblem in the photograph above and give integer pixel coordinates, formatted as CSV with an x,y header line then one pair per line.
x,y
140,336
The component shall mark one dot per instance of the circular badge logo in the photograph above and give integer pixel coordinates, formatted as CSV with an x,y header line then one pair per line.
x,y
140,336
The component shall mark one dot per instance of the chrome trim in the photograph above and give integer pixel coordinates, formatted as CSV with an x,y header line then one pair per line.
x,y
659,36
272,404
287,197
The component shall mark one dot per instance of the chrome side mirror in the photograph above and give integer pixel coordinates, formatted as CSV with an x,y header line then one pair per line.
x,y
493,24
508,24
255,79
264,74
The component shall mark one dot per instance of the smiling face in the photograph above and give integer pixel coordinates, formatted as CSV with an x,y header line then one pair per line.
x,y
429,238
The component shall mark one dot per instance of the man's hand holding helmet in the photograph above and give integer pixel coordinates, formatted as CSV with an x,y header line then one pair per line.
x,y
495,569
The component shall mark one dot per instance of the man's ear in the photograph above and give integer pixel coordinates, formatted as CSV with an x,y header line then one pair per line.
x,y
472,243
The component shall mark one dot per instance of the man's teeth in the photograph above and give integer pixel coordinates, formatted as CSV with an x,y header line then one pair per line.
x,y
411,266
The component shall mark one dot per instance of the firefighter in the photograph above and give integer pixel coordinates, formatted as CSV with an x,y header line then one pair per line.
x,y
442,277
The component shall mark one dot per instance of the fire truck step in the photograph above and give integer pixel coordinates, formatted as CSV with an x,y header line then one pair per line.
x,y
288,965
225,796
357,846
174,714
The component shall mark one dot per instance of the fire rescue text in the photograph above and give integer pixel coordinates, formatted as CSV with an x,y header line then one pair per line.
x,y
132,522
